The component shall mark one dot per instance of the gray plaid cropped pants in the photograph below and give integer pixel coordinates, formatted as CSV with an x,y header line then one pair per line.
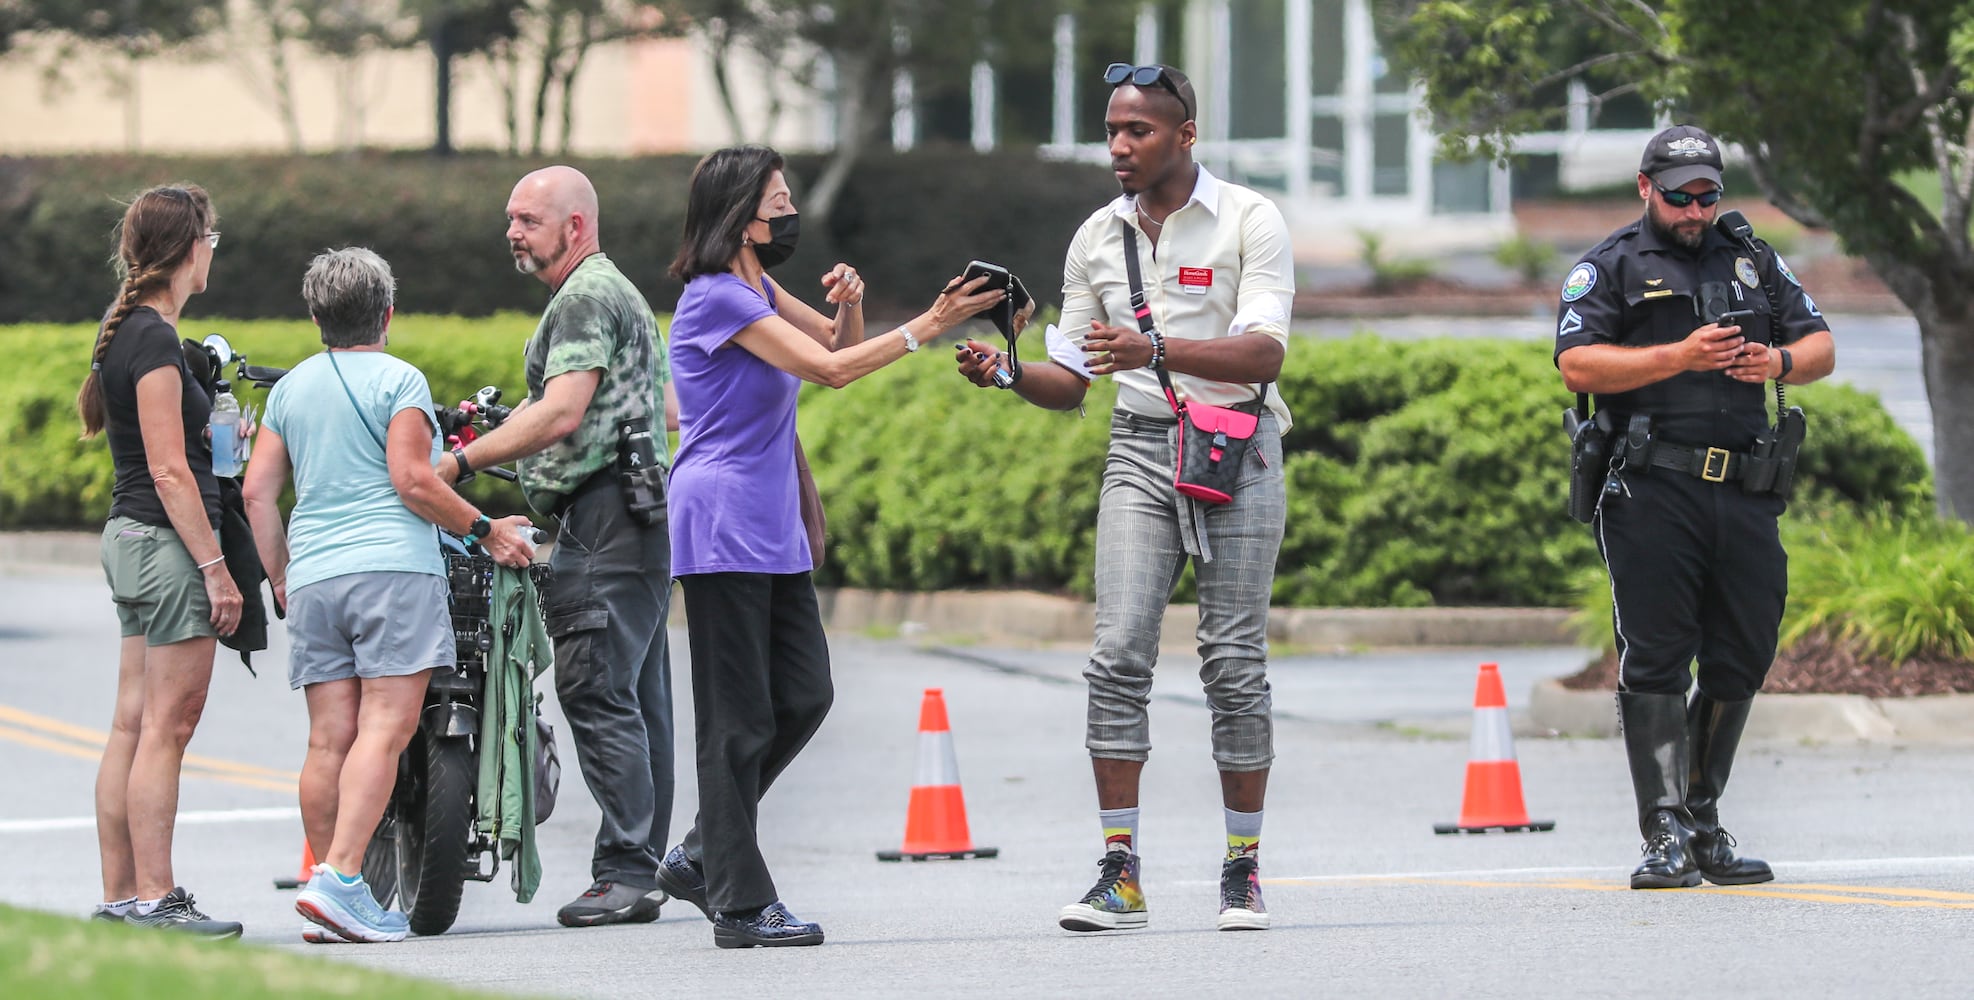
x,y
1145,533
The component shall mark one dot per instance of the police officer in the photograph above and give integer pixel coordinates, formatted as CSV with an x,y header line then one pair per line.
x,y
1671,320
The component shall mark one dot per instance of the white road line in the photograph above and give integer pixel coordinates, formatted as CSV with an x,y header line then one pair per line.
x,y
1825,864
201,818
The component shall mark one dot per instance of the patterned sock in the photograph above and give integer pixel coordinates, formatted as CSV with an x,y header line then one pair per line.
x,y
1243,833
1120,828
121,907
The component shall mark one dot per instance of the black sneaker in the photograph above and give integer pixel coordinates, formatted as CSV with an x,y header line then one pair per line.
x,y
773,927
176,912
609,902
682,879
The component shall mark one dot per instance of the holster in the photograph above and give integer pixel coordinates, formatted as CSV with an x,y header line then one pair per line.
x,y
1590,460
639,473
1772,461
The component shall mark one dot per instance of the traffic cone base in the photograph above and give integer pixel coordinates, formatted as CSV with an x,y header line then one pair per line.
x,y
301,878
1493,799
935,819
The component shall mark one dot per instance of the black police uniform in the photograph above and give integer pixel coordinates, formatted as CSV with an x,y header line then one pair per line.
x,y
1696,563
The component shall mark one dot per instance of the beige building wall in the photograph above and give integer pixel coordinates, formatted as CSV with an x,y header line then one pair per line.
x,y
655,96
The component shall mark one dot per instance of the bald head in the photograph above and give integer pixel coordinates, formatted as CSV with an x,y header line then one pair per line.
x,y
552,222
562,190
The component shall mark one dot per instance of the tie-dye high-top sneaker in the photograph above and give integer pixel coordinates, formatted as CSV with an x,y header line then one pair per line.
x,y
1241,908
1116,902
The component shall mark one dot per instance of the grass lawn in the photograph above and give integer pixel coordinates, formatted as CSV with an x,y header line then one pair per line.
x,y
43,955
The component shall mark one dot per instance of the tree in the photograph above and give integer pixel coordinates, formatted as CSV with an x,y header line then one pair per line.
x,y
864,44
455,28
274,23
1855,115
136,29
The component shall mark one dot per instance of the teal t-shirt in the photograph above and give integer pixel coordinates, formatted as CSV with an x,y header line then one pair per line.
x,y
348,517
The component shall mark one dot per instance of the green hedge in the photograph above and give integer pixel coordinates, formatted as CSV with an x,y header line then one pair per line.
x,y
1419,473
50,478
440,224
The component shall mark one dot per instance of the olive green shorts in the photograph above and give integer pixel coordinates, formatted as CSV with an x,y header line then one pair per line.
x,y
160,594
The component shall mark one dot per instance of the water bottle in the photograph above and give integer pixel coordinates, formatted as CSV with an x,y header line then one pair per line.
x,y
225,435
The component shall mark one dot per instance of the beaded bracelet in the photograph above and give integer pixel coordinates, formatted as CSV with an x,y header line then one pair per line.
x,y
1158,349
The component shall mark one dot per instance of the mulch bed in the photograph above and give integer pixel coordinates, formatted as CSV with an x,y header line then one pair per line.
x,y
1821,665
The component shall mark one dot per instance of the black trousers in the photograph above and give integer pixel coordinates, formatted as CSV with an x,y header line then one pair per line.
x,y
607,606
760,689
1697,570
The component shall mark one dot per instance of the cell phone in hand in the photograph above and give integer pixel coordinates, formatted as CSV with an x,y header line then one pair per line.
x,y
1736,317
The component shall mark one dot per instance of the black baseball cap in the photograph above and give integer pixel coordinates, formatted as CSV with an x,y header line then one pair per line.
x,y
1681,155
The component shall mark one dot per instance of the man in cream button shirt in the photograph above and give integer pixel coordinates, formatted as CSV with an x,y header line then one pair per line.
x,y
1218,279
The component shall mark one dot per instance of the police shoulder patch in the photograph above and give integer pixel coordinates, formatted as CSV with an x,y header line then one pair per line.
x,y
1582,279
1783,266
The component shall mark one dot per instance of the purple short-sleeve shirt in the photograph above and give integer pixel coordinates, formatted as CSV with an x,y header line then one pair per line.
x,y
734,506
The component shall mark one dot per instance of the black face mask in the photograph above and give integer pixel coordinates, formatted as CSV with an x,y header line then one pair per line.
x,y
783,231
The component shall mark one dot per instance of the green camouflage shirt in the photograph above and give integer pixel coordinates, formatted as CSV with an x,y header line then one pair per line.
x,y
597,321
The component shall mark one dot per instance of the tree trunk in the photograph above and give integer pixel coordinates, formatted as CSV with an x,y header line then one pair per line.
x,y
568,81
551,49
722,45
860,110
441,42
1936,291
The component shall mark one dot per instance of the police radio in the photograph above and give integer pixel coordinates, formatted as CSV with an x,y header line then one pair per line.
x,y
1772,461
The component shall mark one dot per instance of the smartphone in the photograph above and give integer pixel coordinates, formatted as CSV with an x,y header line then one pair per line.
x,y
1735,317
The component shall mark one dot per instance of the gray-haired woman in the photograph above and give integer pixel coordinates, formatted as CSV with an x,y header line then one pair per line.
x,y
358,565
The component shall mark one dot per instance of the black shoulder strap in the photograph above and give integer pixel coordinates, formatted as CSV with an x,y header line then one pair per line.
x,y
1759,246
1141,308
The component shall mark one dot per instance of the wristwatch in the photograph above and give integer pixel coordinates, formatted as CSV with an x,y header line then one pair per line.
x,y
911,342
1788,363
481,527
465,467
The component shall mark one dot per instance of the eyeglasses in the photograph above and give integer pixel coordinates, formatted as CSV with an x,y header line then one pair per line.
x,y
1681,199
1118,74
212,240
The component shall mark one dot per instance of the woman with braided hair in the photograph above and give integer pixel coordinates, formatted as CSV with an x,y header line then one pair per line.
x,y
174,595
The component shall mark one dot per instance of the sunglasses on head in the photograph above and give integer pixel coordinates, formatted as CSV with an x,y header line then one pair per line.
x,y
1681,199
1118,74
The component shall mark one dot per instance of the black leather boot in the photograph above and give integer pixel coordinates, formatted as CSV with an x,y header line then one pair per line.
x,y
1714,729
1655,741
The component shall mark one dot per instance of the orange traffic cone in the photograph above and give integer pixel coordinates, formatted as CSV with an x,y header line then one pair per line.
x,y
301,878
1494,779
935,822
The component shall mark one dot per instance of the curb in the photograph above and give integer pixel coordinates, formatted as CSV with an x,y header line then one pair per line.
x,y
1032,617
1821,718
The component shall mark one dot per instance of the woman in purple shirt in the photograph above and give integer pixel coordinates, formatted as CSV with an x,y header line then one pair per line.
x,y
740,348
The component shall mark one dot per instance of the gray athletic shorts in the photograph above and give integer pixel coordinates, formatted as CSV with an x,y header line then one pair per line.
x,y
160,593
368,625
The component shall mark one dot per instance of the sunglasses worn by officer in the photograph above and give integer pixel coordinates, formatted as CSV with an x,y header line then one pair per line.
x,y
1118,74
1681,199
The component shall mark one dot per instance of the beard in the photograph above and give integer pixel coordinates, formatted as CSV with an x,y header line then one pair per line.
x,y
527,261
1687,234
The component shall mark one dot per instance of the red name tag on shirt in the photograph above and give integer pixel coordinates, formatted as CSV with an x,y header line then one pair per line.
x,y
1195,280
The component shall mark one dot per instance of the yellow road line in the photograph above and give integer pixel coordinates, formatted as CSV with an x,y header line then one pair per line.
x,y
96,738
1930,899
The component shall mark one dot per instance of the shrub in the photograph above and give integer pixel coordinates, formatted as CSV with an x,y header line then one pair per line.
x,y
1531,260
439,222
50,478
1419,473
1896,587
1891,585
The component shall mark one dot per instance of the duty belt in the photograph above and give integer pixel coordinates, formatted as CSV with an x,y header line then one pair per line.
x,y
1715,465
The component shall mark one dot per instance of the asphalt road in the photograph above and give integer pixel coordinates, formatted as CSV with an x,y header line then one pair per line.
x,y
1869,842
